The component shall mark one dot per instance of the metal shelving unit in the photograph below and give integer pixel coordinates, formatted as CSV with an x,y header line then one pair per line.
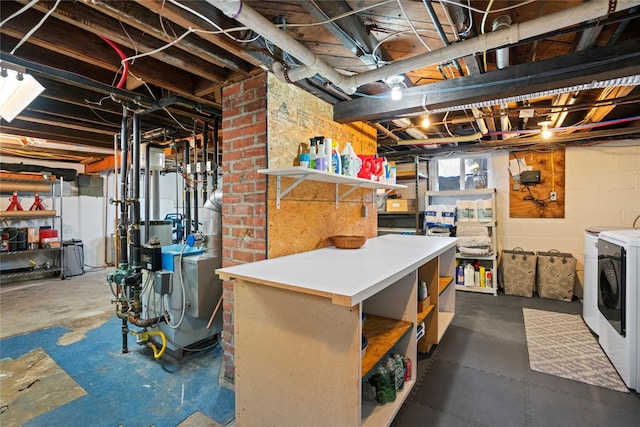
x,y
25,263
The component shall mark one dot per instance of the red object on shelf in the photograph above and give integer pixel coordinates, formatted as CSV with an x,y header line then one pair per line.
x,y
15,204
37,204
46,233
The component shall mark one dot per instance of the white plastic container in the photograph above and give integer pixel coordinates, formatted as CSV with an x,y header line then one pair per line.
x,y
469,275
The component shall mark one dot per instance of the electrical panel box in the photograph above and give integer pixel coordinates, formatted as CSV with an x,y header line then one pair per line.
x,y
529,177
151,258
162,282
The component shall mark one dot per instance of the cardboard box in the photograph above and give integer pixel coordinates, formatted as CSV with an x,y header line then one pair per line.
x,y
50,242
33,235
422,305
401,205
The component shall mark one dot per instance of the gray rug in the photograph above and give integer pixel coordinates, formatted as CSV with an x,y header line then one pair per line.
x,y
561,344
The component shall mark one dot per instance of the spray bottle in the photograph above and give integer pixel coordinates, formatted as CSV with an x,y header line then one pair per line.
x,y
312,153
321,159
336,161
328,145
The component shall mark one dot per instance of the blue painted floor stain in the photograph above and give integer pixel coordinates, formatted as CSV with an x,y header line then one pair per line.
x,y
130,389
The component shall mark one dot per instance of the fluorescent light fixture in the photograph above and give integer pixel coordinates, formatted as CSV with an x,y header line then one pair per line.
x,y
17,90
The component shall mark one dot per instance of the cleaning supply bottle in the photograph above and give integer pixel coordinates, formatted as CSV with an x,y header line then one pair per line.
x,y
328,144
349,161
336,161
469,273
312,153
321,160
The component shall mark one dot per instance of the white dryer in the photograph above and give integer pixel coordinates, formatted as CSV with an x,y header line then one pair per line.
x,y
619,301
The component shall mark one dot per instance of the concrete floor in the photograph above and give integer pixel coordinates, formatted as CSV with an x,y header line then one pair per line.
x,y
479,375
79,304
27,306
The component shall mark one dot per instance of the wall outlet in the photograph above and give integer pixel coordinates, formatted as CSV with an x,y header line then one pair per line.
x,y
553,196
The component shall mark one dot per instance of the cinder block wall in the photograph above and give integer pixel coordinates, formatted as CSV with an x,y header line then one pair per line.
x,y
244,216
602,185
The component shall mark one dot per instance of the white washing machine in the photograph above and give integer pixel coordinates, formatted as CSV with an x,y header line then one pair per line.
x,y
619,301
590,312
590,292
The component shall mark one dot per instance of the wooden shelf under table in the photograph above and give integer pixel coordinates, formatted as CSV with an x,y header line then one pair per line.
x,y
422,315
382,334
443,283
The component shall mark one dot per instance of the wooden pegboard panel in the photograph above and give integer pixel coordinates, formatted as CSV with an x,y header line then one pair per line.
x,y
534,201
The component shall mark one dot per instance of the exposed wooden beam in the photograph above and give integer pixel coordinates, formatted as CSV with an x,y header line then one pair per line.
x,y
20,127
566,71
72,50
94,22
139,17
185,20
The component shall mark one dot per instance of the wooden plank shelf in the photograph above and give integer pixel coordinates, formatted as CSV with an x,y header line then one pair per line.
x,y
443,283
382,334
422,315
27,214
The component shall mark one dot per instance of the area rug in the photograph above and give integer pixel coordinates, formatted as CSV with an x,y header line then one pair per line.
x,y
560,344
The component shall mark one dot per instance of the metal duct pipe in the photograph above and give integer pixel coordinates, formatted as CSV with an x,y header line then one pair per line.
x,y
482,43
124,152
135,226
213,222
440,30
407,127
147,190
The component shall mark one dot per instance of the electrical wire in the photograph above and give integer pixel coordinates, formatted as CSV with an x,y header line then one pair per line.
x,y
35,28
184,297
406,17
125,64
18,12
504,9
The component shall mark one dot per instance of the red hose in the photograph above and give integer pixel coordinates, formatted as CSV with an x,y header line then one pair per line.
x,y
125,64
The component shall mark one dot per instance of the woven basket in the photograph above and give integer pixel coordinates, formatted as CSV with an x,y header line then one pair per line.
x,y
348,242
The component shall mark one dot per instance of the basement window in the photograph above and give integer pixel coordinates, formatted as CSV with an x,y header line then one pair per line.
x,y
460,173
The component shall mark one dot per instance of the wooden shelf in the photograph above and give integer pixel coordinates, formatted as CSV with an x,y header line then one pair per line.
x,y
382,334
375,415
307,174
443,283
422,315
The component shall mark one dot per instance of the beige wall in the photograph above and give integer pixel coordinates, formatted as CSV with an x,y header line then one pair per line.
x,y
602,188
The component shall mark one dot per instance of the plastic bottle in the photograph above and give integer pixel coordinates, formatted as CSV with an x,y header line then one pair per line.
x,y
312,153
468,275
422,291
321,160
399,371
336,162
483,277
346,160
460,275
328,143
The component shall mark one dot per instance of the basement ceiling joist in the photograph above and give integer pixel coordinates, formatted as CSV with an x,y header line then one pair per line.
x,y
577,69
79,70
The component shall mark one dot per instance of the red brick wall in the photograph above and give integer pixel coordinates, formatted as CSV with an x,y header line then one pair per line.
x,y
244,212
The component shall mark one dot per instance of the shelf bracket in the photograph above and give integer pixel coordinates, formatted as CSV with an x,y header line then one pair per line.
x,y
346,193
280,194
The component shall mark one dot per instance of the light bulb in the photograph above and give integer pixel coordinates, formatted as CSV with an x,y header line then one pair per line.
x,y
546,133
426,122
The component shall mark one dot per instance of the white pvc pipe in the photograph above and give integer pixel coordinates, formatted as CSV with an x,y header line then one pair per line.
x,y
244,14
502,22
